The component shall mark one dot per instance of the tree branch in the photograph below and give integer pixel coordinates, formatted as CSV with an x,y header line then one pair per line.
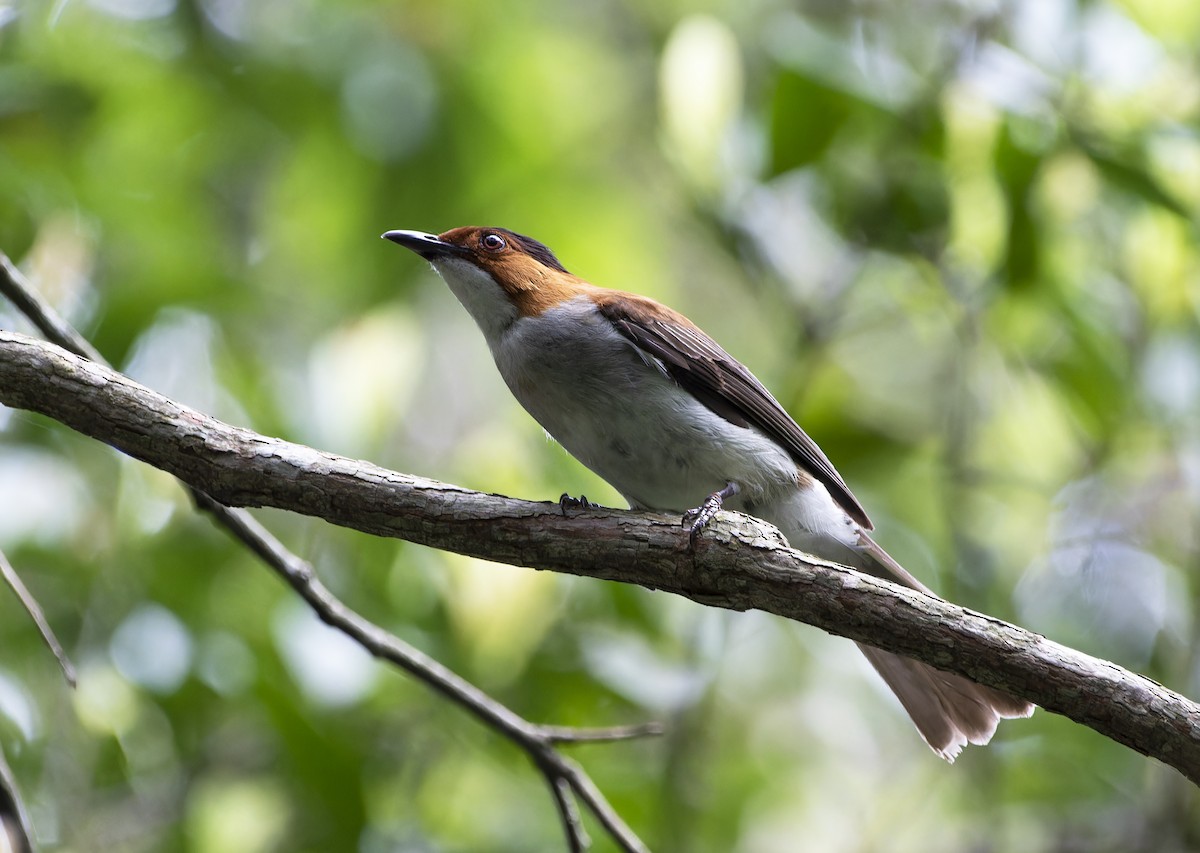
x,y
16,832
739,563
10,577
540,742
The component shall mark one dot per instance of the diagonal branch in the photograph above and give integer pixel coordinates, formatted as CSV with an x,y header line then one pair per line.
x,y
539,742
10,577
740,563
16,831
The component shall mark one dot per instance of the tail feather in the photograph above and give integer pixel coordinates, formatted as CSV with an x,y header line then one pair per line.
x,y
949,711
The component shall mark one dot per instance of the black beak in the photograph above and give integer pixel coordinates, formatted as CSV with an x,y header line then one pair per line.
x,y
428,246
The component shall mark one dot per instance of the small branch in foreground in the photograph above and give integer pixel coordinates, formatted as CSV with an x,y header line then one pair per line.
x,y
568,812
566,734
740,563
539,742
16,833
10,577
49,322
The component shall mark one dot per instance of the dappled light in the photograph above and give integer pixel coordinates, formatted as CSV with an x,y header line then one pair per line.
x,y
957,241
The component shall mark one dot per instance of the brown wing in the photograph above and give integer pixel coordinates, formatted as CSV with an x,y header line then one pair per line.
x,y
721,383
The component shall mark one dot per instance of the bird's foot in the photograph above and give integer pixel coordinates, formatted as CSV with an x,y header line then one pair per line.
x,y
696,519
567,502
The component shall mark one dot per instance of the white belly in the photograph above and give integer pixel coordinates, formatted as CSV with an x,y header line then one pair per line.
x,y
624,418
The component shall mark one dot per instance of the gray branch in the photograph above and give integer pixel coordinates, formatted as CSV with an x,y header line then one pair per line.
x,y
540,742
739,563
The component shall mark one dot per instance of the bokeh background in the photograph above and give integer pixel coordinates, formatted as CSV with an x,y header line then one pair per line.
x,y
957,239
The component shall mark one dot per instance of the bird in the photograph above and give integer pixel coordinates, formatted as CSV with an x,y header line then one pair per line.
x,y
640,395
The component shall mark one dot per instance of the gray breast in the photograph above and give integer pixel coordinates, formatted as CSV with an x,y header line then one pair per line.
x,y
616,410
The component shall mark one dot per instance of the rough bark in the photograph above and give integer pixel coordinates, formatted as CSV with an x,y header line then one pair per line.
x,y
739,563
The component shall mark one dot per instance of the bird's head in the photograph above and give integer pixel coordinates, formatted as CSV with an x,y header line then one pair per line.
x,y
497,274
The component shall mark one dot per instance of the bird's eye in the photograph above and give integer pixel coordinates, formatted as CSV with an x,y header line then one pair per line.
x,y
492,242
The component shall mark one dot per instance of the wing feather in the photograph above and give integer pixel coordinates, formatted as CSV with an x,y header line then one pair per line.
x,y
722,383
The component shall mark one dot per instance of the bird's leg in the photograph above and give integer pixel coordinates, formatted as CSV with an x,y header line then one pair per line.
x,y
700,516
567,502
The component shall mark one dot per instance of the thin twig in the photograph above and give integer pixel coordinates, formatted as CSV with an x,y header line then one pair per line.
x,y
567,734
15,828
301,577
568,811
608,817
49,322
538,741
10,576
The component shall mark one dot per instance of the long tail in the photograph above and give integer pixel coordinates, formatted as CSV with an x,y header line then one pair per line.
x,y
949,711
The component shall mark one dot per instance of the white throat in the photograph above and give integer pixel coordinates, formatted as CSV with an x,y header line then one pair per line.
x,y
479,293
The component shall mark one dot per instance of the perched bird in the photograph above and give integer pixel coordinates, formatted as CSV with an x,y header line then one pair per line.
x,y
639,394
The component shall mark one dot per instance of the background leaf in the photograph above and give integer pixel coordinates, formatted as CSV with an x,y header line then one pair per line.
x,y
959,246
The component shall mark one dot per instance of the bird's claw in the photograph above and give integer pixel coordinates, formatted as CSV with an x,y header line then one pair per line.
x,y
697,519
567,502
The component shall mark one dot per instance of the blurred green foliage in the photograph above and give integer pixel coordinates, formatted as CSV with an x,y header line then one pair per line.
x,y
956,238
